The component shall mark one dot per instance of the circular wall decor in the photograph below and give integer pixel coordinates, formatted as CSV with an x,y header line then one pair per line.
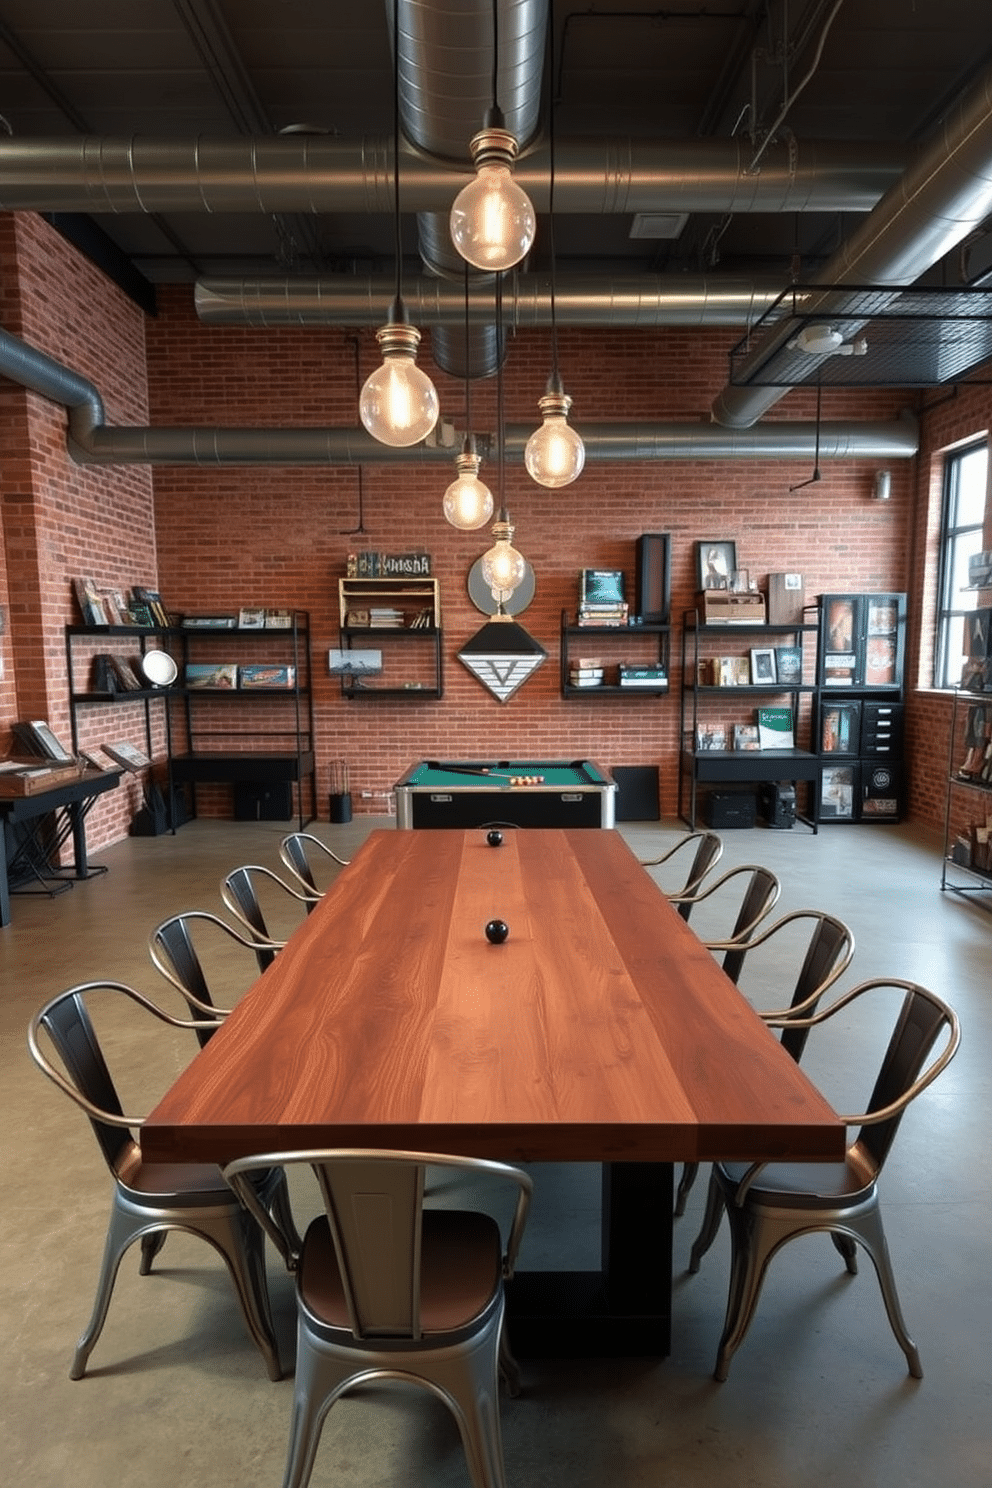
x,y
481,595
159,668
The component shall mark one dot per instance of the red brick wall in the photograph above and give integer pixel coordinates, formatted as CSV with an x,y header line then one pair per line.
x,y
280,537
60,519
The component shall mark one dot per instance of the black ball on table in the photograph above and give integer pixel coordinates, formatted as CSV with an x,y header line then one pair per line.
x,y
494,838
497,931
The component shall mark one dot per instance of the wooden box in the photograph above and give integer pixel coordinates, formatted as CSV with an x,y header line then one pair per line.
x,y
33,776
786,598
724,607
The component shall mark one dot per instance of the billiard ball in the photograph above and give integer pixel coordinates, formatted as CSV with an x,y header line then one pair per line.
x,y
494,838
497,931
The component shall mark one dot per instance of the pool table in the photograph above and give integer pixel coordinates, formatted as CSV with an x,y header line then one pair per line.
x,y
520,793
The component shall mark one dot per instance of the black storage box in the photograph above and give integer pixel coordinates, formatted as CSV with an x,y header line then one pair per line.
x,y
731,809
778,804
255,801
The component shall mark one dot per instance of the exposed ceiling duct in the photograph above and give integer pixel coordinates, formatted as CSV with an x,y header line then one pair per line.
x,y
942,198
638,302
92,442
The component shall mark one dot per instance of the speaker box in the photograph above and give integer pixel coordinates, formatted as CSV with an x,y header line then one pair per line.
x,y
258,801
653,587
637,792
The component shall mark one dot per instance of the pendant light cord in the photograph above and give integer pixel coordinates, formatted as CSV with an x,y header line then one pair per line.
x,y
397,236
468,380
555,375
503,517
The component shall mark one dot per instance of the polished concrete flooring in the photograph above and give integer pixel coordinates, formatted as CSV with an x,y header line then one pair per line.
x,y
818,1394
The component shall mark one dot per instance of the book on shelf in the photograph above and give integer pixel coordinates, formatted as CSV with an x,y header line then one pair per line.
x,y
601,586
585,681
710,736
775,728
278,619
209,622
266,674
746,736
789,663
127,755
642,676
584,673
732,671
212,675
615,615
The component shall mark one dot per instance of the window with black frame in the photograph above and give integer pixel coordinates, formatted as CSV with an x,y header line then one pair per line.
x,y
961,544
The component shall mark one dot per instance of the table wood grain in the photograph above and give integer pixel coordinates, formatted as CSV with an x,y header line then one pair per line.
x,y
601,1030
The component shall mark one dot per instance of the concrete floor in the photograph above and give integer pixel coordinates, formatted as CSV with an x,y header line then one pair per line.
x,y
176,1394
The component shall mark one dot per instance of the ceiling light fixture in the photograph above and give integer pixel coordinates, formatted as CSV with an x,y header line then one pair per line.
x,y
468,502
554,454
492,218
399,404
503,568
825,340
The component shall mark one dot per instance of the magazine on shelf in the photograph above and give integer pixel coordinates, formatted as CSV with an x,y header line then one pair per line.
x,y
212,675
746,736
710,736
775,728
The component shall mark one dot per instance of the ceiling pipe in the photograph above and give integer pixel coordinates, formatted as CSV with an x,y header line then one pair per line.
x,y
315,173
943,197
634,302
91,442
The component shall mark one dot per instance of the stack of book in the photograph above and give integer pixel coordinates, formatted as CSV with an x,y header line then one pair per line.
x,y
385,617
601,600
642,676
586,671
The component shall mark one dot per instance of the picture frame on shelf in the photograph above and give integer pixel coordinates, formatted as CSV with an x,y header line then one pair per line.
x,y
710,737
746,736
251,618
789,664
263,674
763,671
90,602
840,727
837,793
716,562
601,586
212,676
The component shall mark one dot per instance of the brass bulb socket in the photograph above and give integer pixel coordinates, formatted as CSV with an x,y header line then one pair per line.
x,y
398,339
493,147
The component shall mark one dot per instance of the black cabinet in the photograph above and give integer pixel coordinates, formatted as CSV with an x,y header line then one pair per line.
x,y
729,671
859,707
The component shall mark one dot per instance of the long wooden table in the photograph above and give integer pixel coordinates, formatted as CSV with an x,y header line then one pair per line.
x,y
600,1030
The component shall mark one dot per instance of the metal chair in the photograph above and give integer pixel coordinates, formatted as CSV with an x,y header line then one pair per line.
x,y
387,1289
708,849
827,956
770,1204
761,891
150,1198
239,892
174,953
294,850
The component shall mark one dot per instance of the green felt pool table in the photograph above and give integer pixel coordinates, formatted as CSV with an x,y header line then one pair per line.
x,y
520,793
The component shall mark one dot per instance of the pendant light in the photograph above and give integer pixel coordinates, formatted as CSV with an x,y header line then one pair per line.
x,y
503,568
492,218
399,403
468,502
554,454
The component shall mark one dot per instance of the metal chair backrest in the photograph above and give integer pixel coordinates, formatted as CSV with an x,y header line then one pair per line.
x,y
293,852
828,954
709,849
69,1026
921,1019
171,947
374,1206
240,894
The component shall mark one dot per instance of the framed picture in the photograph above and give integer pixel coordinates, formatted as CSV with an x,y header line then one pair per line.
x,y
746,736
839,728
789,664
710,736
222,675
837,792
357,663
763,666
715,563
601,586
251,619
977,633
266,674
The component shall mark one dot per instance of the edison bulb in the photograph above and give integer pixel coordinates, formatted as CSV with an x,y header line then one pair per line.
x,y
399,404
502,567
492,220
468,502
555,454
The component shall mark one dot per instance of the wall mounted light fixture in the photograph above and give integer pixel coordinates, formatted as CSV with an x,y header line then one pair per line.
x,y
882,488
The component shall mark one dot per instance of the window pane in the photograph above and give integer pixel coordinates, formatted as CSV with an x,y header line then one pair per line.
x,y
963,548
955,650
971,488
